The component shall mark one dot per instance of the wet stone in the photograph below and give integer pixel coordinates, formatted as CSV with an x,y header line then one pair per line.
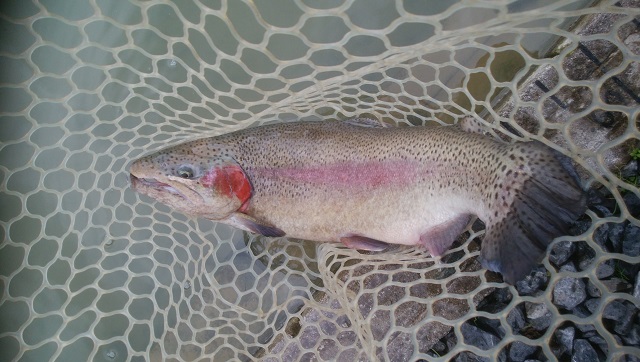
x,y
597,341
621,314
400,347
328,349
561,252
478,337
636,287
583,351
565,337
520,351
431,333
343,321
293,327
593,291
581,311
569,292
629,358
603,210
347,338
583,257
365,304
630,170
380,324
539,315
632,338
633,204
516,320
329,328
440,348
600,236
309,337
615,285
347,355
630,244
535,311
615,236
586,329
534,283
451,340
604,270
449,308
592,305
495,301
291,353
469,357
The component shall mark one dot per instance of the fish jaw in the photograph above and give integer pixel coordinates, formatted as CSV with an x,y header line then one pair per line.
x,y
151,186
215,194
174,194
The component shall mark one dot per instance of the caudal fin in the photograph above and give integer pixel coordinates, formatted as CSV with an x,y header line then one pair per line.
x,y
543,209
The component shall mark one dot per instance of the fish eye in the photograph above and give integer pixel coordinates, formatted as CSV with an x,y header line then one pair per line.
x,y
185,171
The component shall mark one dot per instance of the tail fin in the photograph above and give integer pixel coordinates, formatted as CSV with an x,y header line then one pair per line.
x,y
543,209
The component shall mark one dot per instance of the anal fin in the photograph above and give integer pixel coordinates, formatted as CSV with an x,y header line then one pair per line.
x,y
439,238
253,225
359,242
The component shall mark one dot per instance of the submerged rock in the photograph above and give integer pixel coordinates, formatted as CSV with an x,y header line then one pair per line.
x,y
561,252
631,241
534,283
584,352
478,337
520,351
569,292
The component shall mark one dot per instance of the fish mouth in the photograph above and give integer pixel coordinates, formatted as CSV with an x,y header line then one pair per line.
x,y
151,183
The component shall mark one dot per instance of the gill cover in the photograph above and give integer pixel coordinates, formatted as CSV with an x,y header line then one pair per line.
x,y
228,187
229,181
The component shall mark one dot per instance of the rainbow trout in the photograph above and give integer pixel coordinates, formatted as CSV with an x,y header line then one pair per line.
x,y
368,186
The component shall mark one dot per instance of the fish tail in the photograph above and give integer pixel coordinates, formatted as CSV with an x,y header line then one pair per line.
x,y
544,206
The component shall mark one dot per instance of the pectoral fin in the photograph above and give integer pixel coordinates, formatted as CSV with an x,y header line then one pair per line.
x,y
363,243
253,225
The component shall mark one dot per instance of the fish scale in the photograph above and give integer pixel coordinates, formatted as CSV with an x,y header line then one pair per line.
x,y
368,186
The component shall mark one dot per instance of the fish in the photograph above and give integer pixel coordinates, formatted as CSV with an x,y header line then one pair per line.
x,y
367,185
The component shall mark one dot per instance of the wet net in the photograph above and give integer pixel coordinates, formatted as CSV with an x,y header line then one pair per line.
x,y
89,270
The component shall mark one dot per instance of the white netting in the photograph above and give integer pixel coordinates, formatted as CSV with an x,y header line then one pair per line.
x,y
91,271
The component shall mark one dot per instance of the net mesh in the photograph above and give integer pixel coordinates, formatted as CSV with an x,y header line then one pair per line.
x,y
89,270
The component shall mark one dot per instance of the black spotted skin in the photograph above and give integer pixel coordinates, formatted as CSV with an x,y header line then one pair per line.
x,y
327,180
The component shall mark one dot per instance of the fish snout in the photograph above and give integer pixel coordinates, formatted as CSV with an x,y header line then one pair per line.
x,y
136,168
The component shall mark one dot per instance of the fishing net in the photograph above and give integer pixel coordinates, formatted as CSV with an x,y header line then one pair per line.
x,y
89,270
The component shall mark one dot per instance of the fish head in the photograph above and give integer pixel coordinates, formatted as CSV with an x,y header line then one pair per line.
x,y
194,182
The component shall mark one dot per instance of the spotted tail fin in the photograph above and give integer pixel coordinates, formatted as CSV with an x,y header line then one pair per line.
x,y
543,208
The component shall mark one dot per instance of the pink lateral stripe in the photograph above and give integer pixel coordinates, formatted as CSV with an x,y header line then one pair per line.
x,y
365,174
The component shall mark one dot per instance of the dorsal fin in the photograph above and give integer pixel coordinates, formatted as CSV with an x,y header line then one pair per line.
x,y
472,125
365,122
